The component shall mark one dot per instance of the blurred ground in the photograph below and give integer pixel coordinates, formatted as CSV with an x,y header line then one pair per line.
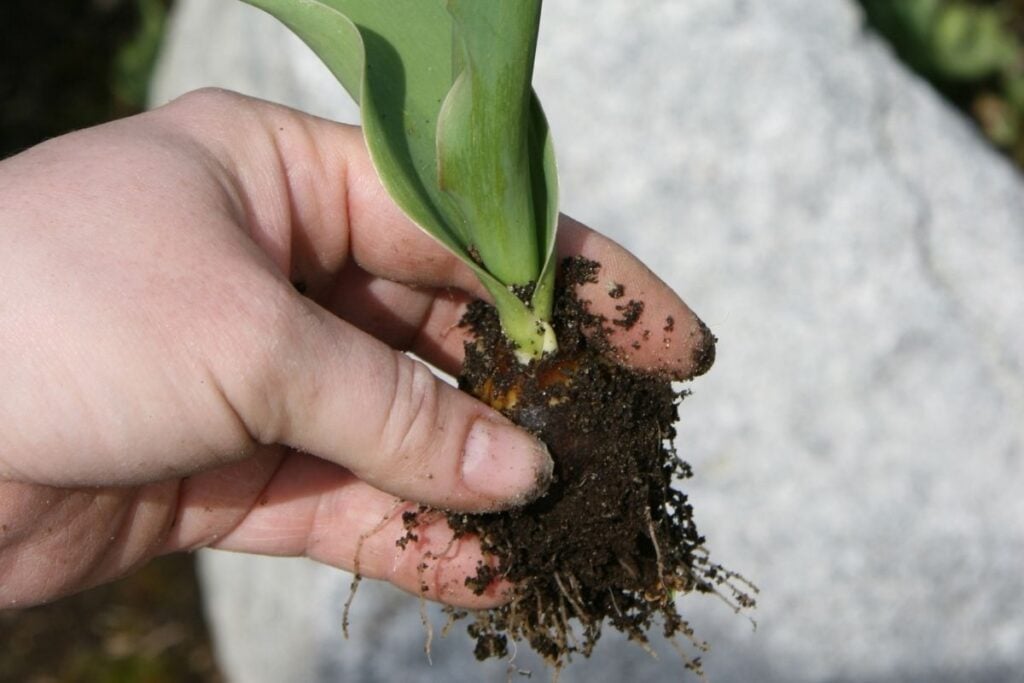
x,y
147,627
972,51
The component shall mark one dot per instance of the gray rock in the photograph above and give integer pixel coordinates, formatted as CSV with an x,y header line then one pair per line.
x,y
859,446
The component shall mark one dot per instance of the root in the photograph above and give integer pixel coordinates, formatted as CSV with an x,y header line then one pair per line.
x,y
657,550
694,664
352,588
453,616
611,594
424,617
629,570
577,607
565,631
511,668
388,516
734,581
356,573
646,647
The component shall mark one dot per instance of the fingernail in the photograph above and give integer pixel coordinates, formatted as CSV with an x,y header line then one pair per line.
x,y
505,464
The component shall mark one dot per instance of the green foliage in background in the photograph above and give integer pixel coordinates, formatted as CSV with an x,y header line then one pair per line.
x,y
136,57
71,64
147,627
972,50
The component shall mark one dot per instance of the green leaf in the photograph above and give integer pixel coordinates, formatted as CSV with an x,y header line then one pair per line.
x,y
483,128
544,176
386,55
401,60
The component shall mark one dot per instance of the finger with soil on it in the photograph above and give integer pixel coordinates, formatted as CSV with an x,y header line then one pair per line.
x,y
650,327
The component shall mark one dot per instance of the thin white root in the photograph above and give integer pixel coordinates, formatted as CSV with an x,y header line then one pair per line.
x,y
615,604
572,601
692,663
424,617
657,549
353,587
356,573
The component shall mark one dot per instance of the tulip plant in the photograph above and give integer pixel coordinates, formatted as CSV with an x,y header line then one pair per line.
x,y
459,140
455,133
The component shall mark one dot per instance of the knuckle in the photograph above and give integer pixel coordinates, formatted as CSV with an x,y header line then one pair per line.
x,y
211,116
265,364
206,98
283,338
409,437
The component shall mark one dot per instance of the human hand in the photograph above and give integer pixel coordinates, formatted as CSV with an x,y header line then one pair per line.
x,y
166,387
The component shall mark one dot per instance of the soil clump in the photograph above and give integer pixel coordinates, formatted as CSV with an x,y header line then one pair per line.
x,y
612,539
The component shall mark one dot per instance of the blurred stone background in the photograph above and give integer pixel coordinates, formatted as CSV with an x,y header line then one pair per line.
x,y
858,250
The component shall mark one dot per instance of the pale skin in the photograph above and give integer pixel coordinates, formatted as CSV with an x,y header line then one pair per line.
x,y
166,387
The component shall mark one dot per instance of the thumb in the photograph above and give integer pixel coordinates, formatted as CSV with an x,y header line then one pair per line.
x,y
351,399
329,388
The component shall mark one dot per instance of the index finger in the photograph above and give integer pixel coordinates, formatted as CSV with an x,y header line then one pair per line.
x,y
648,326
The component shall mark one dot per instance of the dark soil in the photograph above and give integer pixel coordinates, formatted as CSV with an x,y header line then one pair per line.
x,y
612,539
